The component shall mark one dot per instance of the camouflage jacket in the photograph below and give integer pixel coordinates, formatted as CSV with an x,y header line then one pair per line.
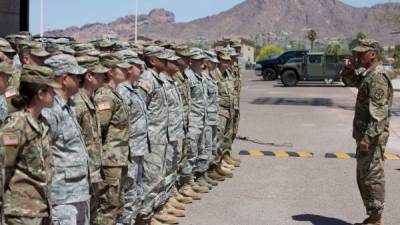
x,y
3,109
12,89
237,83
225,92
71,162
198,95
157,107
114,121
138,135
212,100
86,115
373,106
175,109
184,90
29,165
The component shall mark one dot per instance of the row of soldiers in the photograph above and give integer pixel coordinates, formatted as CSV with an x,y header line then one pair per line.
x,y
108,132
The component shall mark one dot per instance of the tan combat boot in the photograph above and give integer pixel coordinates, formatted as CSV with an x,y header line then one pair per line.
x,y
224,172
174,211
165,217
182,199
228,160
209,180
176,204
197,188
235,157
213,174
155,222
187,191
227,165
372,220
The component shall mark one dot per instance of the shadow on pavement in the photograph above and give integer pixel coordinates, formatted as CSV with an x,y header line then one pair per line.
x,y
319,220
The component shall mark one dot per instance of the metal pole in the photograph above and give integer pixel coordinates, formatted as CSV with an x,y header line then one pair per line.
x,y
41,18
136,22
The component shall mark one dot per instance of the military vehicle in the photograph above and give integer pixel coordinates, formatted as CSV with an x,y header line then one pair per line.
x,y
269,69
315,66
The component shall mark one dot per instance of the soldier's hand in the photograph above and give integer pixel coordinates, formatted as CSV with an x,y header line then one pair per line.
x,y
363,146
349,64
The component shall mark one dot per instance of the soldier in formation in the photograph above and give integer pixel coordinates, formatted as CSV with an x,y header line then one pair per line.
x,y
110,132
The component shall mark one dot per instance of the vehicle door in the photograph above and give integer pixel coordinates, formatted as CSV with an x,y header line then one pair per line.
x,y
315,66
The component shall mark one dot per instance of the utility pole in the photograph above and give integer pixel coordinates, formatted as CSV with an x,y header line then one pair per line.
x,y
136,22
41,18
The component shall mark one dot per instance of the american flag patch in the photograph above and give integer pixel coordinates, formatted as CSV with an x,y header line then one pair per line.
x,y
10,139
10,93
104,106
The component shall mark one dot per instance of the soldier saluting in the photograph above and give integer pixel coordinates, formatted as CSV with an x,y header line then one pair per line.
x,y
370,125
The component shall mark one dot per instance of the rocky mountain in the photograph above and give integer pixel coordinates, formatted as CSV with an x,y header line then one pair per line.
x,y
291,18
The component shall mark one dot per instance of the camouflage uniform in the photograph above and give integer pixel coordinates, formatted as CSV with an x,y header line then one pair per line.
x,y
225,112
197,156
29,165
184,168
237,82
175,132
138,143
3,109
113,115
154,162
371,124
211,118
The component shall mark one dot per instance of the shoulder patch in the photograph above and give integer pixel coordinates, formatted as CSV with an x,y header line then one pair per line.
x,y
145,86
379,93
10,93
10,139
104,106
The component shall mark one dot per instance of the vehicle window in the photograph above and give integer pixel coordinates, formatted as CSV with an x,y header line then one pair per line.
x,y
315,58
287,56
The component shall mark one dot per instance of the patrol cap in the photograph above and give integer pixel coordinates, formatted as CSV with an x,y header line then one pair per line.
x,y
212,56
39,75
5,46
6,68
14,38
182,50
366,45
130,57
114,60
64,64
224,55
121,45
171,56
155,51
92,64
86,48
34,48
236,43
197,54
105,43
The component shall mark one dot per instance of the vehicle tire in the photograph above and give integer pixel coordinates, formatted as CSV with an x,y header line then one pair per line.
x,y
269,74
289,78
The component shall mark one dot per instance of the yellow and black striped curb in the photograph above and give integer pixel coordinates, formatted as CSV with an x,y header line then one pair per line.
x,y
278,153
343,155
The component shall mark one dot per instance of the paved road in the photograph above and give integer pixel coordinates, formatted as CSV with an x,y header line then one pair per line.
x,y
268,190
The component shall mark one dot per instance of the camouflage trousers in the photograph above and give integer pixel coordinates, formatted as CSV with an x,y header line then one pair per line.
x,y
153,179
111,197
184,167
371,178
171,164
210,144
133,192
72,214
9,220
236,120
197,155
224,137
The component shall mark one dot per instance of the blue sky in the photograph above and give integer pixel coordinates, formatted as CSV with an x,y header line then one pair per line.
x,y
65,13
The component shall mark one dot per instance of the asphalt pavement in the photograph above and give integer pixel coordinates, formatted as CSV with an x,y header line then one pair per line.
x,y
279,184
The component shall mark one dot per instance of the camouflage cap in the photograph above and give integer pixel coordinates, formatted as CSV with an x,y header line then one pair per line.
x,y
39,75
367,45
105,43
6,68
171,56
232,52
35,48
14,38
92,64
236,43
66,49
212,56
64,64
121,45
86,48
224,55
130,57
5,46
182,50
114,60
155,51
197,54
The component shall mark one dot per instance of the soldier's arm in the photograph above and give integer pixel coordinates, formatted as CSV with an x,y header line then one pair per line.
x,y
52,121
379,107
352,77
13,140
105,107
